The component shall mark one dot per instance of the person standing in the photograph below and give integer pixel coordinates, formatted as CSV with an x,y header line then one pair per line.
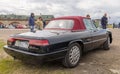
x,y
113,25
39,23
32,22
104,21
44,23
119,25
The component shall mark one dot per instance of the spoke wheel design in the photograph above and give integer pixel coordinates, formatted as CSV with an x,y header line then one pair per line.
x,y
74,55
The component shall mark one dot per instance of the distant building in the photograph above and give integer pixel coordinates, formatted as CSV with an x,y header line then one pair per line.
x,y
21,19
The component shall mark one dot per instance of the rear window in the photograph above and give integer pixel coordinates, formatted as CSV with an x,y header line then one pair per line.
x,y
61,24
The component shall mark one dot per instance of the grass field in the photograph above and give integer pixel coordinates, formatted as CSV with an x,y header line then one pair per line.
x,y
10,66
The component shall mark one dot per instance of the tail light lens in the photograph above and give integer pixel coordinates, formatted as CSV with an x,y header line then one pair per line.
x,y
11,39
39,42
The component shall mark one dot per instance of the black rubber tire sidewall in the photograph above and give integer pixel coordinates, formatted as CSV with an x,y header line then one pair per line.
x,y
106,44
66,61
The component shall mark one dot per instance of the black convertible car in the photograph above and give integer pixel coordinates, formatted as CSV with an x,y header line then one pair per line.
x,y
65,38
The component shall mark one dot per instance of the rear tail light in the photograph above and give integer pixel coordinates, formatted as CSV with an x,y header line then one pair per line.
x,y
39,42
11,40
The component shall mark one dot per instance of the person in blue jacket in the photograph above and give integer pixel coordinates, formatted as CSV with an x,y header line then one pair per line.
x,y
104,21
32,22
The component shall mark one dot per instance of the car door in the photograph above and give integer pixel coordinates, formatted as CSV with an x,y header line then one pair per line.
x,y
88,40
99,36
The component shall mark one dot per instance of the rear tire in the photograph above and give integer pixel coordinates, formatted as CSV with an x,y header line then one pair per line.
x,y
73,56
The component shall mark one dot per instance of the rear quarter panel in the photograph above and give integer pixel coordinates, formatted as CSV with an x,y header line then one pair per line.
x,y
62,41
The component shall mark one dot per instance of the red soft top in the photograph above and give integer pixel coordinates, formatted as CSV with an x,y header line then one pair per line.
x,y
78,21
70,17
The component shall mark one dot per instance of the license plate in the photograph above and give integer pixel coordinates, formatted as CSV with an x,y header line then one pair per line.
x,y
23,44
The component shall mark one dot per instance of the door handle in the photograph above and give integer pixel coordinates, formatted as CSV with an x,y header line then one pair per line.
x,y
94,30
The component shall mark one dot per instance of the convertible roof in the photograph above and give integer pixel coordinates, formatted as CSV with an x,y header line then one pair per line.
x,y
69,17
78,25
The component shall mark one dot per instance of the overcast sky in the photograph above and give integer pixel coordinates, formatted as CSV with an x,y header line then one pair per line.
x,y
96,8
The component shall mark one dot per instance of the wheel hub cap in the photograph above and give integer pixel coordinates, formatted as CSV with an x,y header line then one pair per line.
x,y
74,55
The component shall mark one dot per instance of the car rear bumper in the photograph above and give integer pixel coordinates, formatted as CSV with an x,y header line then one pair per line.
x,y
28,56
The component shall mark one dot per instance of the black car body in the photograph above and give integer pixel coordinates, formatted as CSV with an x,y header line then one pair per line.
x,y
63,38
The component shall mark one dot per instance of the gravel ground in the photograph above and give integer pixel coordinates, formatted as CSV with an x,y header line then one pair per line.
x,y
93,62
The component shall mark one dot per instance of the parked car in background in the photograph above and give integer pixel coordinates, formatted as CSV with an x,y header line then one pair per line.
x,y
65,38
11,26
20,26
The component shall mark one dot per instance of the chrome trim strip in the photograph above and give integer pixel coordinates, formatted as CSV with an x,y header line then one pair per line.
x,y
95,41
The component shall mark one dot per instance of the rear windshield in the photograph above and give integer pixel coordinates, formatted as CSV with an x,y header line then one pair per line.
x,y
60,24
